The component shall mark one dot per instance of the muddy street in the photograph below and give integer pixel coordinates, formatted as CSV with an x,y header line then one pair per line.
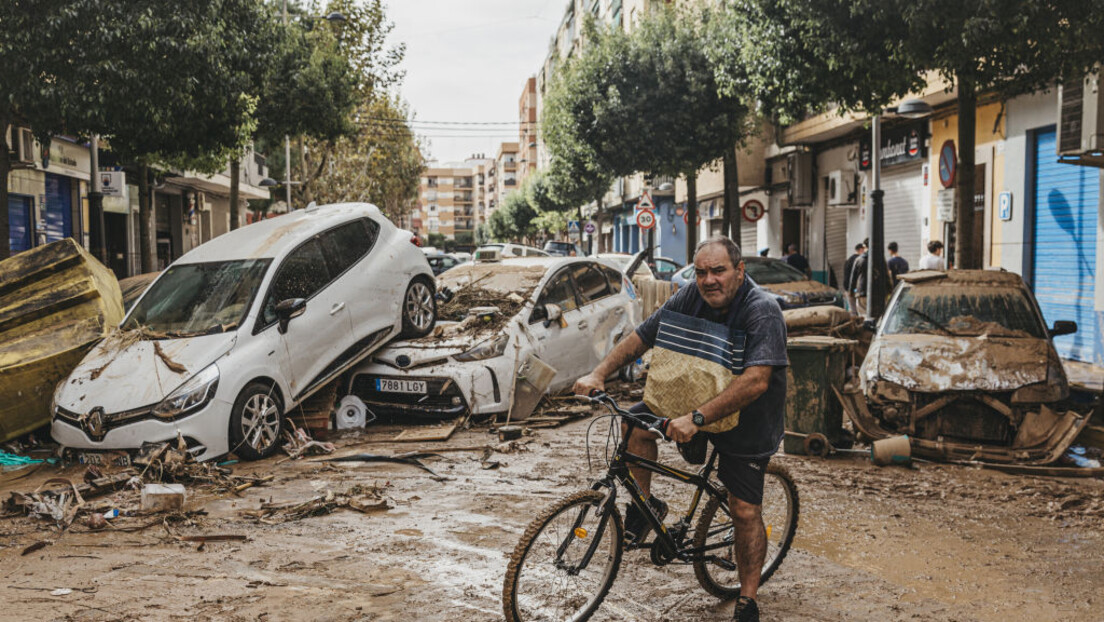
x,y
932,543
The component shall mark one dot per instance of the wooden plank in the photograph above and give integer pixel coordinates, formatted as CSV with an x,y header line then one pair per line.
x,y
428,433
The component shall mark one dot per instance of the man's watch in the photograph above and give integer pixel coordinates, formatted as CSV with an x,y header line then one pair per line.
x,y
698,418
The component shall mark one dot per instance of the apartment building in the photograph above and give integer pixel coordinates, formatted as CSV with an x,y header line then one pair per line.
x,y
453,199
528,133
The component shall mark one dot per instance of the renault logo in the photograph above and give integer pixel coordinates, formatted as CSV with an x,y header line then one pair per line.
x,y
93,423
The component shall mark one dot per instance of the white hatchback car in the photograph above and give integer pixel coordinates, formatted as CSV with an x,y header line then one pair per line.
x,y
567,311
245,327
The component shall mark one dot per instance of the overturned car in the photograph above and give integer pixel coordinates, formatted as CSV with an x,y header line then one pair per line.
x,y
568,312
963,363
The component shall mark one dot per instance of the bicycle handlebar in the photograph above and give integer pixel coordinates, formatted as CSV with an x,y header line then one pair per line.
x,y
650,422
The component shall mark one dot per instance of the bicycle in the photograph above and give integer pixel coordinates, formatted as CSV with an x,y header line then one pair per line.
x,y
580,539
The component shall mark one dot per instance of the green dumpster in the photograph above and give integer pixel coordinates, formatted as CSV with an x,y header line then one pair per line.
x,y
816,365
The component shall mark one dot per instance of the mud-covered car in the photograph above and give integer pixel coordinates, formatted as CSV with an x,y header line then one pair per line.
x,y
963,363
790,287
245,327
568,312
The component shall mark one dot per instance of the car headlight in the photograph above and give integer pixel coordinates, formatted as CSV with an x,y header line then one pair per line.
x,y
792,299
488,349
192,395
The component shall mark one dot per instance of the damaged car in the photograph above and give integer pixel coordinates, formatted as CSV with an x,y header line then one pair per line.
x,y
566,312
963,363
242,329
789,287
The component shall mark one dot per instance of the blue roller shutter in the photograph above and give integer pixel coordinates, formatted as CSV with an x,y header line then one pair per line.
x,y
1066,200
19,222
57,215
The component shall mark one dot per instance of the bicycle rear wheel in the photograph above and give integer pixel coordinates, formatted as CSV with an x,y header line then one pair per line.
x,y
544,580
780,514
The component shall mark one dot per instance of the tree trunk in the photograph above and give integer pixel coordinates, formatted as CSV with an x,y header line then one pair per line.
x,y
5,170
731,228
305,195
691,214
600,246
235,191
145,220
966,256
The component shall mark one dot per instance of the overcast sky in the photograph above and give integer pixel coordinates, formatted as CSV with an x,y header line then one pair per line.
x,y
467,60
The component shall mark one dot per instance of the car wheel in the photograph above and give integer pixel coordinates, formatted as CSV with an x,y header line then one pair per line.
x,y
419,309
256,421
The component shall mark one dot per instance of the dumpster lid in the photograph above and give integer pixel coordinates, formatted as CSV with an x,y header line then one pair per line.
x,y
819,342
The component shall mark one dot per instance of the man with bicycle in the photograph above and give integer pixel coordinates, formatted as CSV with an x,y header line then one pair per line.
x,y
722,295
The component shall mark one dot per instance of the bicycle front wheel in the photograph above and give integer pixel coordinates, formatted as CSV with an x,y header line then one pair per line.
x,y
780,513
550,576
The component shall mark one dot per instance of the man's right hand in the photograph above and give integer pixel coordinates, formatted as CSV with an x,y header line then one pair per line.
x,y
589,384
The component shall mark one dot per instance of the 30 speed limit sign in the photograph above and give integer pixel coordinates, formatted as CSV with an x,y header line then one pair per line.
x,y
645,219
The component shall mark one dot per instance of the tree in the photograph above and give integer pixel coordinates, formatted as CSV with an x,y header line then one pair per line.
x,y
805,56
648,102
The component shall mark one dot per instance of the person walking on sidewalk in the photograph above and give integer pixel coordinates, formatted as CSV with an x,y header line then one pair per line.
x,y
797,260
934,259
898,265
723,302
849,278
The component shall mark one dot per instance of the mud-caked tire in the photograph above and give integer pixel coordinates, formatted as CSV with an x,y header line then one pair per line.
x,y
256,421
419,308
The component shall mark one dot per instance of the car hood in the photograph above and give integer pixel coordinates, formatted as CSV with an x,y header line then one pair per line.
x,y
125,371
424,351
933,363
801,289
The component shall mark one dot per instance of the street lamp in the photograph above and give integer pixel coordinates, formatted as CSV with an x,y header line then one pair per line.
x,y
876,265
332,17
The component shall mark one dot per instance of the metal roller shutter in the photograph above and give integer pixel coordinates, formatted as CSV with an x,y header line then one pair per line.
x,y
903,194
835,240
1064,255
58,212
749,238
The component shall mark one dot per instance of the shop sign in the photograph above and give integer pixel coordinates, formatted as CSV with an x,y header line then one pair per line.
x,y
899,145
113,184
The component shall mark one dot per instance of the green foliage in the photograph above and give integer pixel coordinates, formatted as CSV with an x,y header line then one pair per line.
x,y
553,223
648,101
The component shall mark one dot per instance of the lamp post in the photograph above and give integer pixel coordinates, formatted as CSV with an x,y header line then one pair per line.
x,y
332,17
876,277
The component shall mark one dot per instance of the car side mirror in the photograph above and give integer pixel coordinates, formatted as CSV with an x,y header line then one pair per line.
x,y
552,313
870,325
1063,327
288,309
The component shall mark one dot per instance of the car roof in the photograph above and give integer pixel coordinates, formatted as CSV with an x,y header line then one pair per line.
x,y
997,278
272,237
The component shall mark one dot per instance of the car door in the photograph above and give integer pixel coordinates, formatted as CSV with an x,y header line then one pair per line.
x,y
351,256
314,339
604,316
561,344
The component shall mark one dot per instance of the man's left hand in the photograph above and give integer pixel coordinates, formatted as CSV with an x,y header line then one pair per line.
x,y
681,430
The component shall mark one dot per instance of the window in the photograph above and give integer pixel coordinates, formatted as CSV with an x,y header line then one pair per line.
x,y
345,245
614,278
302,275
559,291
591,282
200,299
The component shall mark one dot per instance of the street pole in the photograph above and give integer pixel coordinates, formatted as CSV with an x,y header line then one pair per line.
x,y
287,139
876,264
95,203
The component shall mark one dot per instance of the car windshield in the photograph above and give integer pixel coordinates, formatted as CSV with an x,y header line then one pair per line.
x,y
772,272
964,311
199,299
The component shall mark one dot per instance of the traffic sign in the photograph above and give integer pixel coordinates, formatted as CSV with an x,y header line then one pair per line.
x,y
1005,203
573,226
645,219
753,210
686,218
645,202
948,164
590,227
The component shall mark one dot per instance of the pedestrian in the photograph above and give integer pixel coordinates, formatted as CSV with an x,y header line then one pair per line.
x,y
763,252
934,259
722,305
797,260
858,281
849,278
897,265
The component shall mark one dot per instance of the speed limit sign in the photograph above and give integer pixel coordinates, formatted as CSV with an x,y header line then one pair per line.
x,y
645,219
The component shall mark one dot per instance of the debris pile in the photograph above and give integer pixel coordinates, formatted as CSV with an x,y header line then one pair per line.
x,y
364,499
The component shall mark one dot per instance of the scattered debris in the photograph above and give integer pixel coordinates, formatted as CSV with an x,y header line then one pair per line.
x,y
363,499
410,459
300,444
163,497
440,432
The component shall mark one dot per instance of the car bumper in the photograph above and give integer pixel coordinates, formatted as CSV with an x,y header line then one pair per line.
x,y
452,389
205,432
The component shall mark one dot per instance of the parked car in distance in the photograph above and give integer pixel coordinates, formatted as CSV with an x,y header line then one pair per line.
x,y
505,251
562,249
240,330
567,311
790,287
963,363
441,262
462,256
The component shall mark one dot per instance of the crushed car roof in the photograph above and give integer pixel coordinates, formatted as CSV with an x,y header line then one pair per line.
x,y
273,237
964,277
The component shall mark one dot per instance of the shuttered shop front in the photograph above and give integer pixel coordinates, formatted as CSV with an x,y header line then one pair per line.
x,y
1065,200
904,188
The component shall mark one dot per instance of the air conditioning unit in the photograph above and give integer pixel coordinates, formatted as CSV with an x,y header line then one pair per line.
x,y
800,192
201,203
839,188
1081,118
21,145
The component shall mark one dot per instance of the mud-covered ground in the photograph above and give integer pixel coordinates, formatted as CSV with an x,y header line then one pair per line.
x,y
932,543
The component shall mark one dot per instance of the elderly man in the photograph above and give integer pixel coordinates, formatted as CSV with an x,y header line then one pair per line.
x,y
757,390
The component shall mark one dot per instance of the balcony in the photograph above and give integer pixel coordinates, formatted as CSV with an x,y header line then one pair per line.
x,y
510,182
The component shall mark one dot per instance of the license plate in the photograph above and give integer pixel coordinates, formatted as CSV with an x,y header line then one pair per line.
x,y
387,385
